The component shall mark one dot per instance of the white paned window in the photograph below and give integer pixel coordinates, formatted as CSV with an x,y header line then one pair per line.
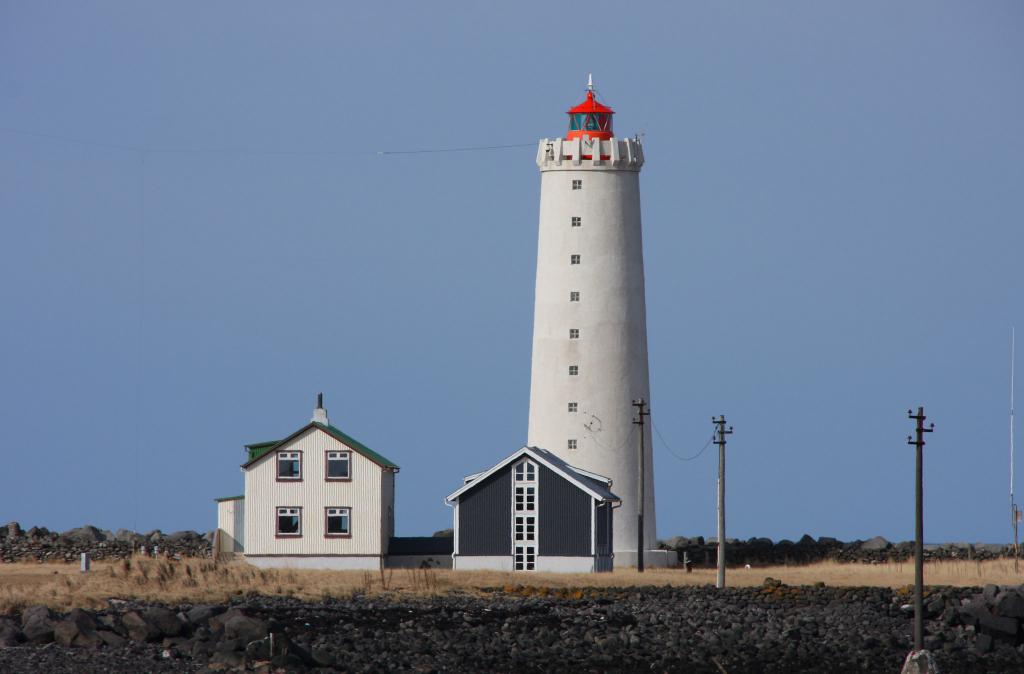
x,y
289,466
526,471
525,558
574,370
526,528
574,407
574,259
572,443
577,184
574,296
339,465
526,499
339,522
577,221
289,521
574,333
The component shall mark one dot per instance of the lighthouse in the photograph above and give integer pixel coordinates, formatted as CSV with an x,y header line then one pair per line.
x,y
590,325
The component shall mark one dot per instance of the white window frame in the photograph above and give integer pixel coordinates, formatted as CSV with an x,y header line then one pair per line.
x,y
574,333
287,511
288,456
576,221
342,455
524,558
344,512
572,444
574,408
574,258
574,295
577,183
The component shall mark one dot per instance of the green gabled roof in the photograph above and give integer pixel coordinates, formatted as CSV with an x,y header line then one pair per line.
x,y
356,445
229,498
260,449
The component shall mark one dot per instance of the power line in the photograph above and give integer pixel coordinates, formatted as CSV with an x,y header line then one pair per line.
x,y
255,151
673,453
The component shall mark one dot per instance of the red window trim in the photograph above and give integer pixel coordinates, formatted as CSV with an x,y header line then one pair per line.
x,y
277,467
349,534
278,534
328,478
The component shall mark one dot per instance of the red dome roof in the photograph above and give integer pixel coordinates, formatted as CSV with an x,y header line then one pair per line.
x,y
591,105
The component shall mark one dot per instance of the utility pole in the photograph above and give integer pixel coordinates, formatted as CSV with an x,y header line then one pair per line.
x,y
640,405
720,433
919,527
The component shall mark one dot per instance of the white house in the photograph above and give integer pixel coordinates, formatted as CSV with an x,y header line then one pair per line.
x,y
316,499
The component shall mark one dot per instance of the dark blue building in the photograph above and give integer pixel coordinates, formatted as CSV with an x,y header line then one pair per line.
x,y
534,512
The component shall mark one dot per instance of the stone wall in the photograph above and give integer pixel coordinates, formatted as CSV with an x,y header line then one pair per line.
x,y
41,544
765,552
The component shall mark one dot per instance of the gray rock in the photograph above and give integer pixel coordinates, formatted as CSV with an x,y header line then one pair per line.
x,y
36,613
200,615
163,620
82,618
112,639
87,534
1010,603
245,628
876,543
444,533
139,629
126,536
14,530
178,536
73,633
10,635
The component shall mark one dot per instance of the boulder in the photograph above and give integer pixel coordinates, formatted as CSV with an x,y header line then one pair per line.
x,y
245,628
876,543
112,639
140,629
14,530
164,620
178,536
10,635
37,624
77,631
444,533
1010,603
87,534
200,615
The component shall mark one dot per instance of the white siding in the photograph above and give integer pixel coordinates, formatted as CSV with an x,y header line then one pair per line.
x,y
231,522
363,494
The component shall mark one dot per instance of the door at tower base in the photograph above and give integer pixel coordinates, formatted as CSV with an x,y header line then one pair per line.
x,y
533,512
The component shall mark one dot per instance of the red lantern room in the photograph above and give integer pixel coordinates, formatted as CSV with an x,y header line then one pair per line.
x,y
590,118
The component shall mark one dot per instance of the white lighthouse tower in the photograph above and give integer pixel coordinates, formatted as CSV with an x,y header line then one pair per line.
x,y
590,323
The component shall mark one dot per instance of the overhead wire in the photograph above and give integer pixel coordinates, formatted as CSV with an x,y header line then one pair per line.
x,y
673,453
124,147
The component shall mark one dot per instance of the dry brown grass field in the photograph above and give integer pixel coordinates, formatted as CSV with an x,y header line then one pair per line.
x,y
62,586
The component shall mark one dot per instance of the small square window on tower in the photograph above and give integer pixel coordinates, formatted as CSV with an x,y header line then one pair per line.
x,y
572,444
574,407
574,333
577,221
574,370
574,259
577,184
574,296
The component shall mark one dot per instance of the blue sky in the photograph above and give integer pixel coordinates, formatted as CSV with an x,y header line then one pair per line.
x,y
197,235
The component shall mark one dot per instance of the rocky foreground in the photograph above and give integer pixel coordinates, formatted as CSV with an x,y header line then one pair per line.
x,y
773,628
